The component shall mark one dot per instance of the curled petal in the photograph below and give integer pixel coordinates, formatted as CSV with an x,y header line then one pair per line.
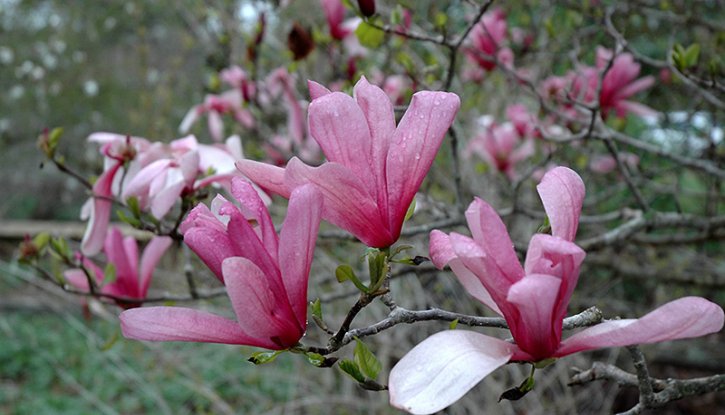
x,y
442,368
100,212
151,256
264,175
680,319
534,329
562,192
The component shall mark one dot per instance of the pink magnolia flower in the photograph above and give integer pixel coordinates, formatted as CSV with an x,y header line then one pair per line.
x,y
335,14
132,278
499,145
215,106
373,169
532,299
265,275
618,85
605,163
487,39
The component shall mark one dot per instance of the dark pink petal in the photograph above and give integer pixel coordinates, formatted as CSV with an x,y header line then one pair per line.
x,y
151,256
164,324
116,253
347,203
100,213
414,146
680,319
262,310
339,126
317,90
297,246
639,85
264,175
562,192
535,298
441,369
491,235
254,208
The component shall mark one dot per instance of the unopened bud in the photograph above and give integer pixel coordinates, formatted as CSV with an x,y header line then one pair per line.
x,y
367,7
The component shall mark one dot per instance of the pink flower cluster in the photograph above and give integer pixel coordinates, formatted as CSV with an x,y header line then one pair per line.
x,y
533,299
132,277
156,174
504,145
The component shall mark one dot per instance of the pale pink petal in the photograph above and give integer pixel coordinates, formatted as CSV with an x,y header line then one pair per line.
x,y
347,204
443,368
413,148
141,182
317,90
489,231
562,192
473,285
263,312
77,278
535,299
297,246
189,119
164,200
266,176
339,126
635,108
151,256
680,319
216,125
164,324
440,249
636,86
100,213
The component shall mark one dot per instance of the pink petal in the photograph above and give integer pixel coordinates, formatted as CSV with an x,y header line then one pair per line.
x,y
216,125
116,253
440,249
77,278
151,256
100,213
297,246
164,200
414,146
635,108
562,192
535,299
680,319
141,182
634,87
181,324
255,208
378,111
347,203
317,90
441,369
262,310
558,258
339,126
266,176
490,233
189,119
442,254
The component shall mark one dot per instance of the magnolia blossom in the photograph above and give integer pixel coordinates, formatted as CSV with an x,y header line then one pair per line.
x,y
132,277
533,300
500,146
265,275
156,174
618,85
215,106
335,14
487,39
373,169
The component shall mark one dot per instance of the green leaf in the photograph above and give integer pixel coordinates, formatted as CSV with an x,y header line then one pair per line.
x,y
109,274
692,55
396,16
453,324
133,206
60,246
366,360
110,342
351,368
544,363
398,249
411,210
317,308
315,359
440,19
123,217
545,227
369,36
260,358
344,273
41,240
378,265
